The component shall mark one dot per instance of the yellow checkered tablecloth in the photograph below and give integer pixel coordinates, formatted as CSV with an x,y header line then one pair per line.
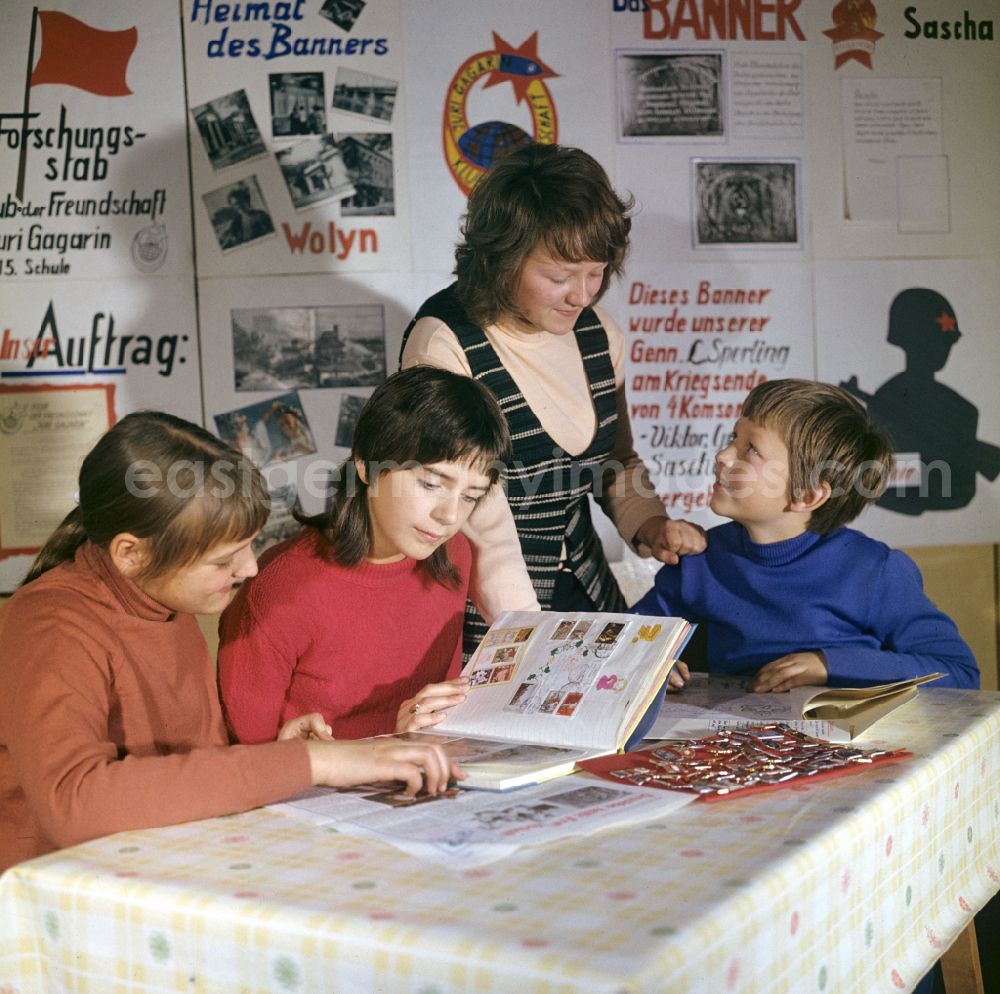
x,y
852,885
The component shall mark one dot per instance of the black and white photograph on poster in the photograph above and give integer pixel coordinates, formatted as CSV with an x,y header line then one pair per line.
x,y
368,157
239,213
314,171
281,523
670,95
739,202
312,234
271,431
288,348
364,93
228,130
343,13
347,418
298,104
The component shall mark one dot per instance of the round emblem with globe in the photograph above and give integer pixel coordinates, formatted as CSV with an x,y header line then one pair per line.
x,y
470,149
484,143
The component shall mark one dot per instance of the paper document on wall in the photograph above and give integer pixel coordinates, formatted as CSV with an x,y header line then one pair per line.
x,y
885,120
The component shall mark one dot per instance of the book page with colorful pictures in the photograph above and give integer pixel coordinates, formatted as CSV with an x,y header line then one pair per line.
x,y
566,679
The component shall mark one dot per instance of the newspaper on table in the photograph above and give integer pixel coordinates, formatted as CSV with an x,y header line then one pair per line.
x,y
465,828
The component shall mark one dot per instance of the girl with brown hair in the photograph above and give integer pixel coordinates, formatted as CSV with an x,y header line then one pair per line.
x,y
109,713
360,616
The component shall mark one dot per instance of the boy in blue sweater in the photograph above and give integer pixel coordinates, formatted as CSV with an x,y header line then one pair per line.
x,y
788,594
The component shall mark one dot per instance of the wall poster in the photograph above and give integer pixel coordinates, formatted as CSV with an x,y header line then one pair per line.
x,y
232,210
95,245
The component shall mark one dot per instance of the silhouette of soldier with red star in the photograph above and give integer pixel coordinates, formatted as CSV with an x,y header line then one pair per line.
x,y
925,418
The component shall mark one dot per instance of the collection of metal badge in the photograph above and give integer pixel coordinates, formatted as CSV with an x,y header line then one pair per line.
x,y
758,758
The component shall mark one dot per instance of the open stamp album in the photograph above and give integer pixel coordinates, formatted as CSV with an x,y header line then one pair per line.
x,y
836,714
549,688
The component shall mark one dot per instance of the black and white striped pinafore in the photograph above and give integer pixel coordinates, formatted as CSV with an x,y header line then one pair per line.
x,y
546,487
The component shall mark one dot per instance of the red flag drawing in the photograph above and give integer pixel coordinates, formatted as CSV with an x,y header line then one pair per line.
x,y
75,54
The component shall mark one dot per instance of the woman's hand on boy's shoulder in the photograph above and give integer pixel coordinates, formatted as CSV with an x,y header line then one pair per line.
x,y
797,669
670,538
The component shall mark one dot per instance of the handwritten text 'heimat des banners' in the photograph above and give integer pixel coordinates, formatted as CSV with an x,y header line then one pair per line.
x,y
277,39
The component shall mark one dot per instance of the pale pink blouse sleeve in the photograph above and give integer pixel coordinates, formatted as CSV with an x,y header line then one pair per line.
x,y
631,499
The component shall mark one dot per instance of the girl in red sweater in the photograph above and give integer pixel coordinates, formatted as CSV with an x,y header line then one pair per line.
x,y
109,712
360,617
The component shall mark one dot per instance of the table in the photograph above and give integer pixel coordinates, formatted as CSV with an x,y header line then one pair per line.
x,y
853,885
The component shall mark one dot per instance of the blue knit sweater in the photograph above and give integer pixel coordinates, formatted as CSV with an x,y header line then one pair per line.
x,y
844,594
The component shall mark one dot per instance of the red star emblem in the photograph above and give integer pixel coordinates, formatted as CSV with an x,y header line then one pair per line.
x,y
525,66
946,321
864,44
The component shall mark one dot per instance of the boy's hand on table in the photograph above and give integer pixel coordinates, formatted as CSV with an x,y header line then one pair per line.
x,y
670,538
794,670
679,676
427,706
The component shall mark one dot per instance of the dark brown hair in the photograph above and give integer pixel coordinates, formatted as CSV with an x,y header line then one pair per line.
x,y
164,479
419,416
551,196
830,439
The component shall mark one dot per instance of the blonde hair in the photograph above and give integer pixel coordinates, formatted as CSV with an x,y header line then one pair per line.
x,y
830,439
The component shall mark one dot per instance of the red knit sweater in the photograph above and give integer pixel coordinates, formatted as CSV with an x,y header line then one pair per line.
x,y
352,643
110,717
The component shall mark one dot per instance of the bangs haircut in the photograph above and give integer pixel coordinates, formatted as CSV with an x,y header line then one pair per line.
x,y
830,439
420,416
197,492
231,505
428,415
547,196
166,481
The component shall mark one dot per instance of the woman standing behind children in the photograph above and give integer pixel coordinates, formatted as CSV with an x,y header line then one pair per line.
x,y
544,234
360,616
789,595
109,713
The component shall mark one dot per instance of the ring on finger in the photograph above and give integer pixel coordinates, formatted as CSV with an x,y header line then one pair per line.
x,y
414,708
